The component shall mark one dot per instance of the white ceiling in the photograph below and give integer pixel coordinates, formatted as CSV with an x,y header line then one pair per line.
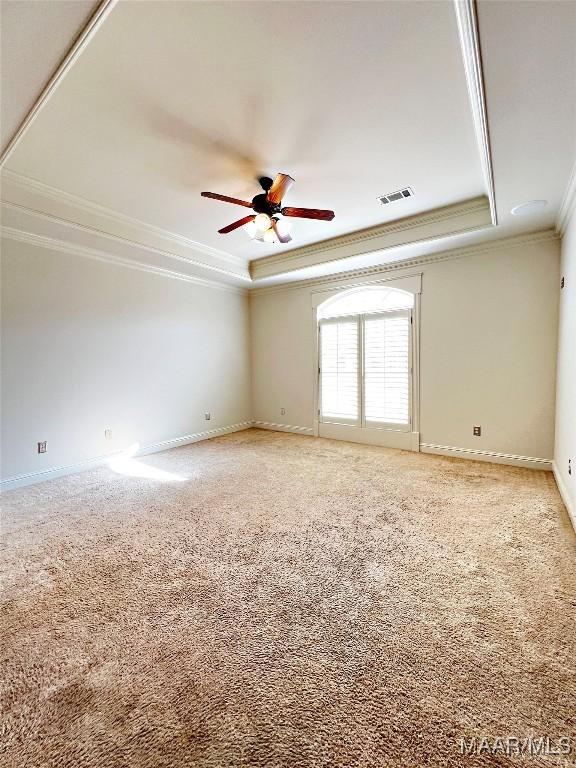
x,y
529,60
353,99
35,36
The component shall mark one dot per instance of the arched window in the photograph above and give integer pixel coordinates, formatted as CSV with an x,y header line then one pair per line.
x,y
365,360
365,299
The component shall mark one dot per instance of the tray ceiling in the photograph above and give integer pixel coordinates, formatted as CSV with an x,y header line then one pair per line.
x,y
471,104
353,99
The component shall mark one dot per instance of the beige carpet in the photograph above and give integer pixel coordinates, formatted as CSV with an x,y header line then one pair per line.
x,y
292,602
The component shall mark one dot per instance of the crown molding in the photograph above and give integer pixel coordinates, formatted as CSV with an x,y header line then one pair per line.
x,y
38,220
63,246
540,236
568,205
33,192
65,211
24,234
431,225
94,24
467,18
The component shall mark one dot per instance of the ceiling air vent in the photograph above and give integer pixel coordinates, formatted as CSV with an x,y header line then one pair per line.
x,y
398,195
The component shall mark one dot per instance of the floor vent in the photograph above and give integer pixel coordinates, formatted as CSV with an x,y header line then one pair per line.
x,y
398,195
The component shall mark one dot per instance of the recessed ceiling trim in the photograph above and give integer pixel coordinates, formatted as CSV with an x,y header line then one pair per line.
x,y
96,21
431,225
33,194
73,249
42,224
541,236
471,54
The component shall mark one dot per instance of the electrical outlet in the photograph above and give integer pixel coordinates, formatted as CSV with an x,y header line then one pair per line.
x,y
207,415
282,411
108,434
477,431
42,447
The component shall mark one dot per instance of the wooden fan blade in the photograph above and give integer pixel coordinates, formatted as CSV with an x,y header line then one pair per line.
x,y
309,213
282,238
280,186
226,199
236,224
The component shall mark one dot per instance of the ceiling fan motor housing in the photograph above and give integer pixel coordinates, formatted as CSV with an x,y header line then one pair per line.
x,y
261,204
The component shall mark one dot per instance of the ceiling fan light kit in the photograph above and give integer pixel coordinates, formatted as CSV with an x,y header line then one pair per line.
x,y
266,225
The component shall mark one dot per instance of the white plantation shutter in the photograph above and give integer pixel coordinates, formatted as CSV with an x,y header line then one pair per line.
x,y
387,369
339,369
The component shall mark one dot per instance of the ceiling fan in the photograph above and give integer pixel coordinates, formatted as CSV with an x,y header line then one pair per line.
x,y
265,224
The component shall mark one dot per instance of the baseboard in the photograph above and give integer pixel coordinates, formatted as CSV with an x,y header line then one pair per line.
x,y
568,502
529,462
19,481
283,427
165,445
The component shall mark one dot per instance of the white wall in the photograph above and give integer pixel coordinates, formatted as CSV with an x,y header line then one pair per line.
x,y
565,447
487,352
87,345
